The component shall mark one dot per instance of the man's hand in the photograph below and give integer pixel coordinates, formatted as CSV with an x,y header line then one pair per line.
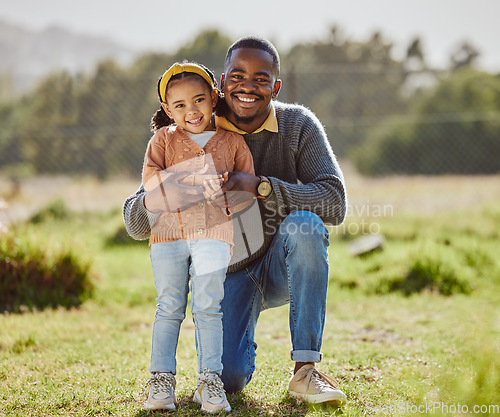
x,y
240,181
238,187
171,195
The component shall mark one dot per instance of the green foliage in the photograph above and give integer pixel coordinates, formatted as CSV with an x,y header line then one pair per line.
x,y
439,254
121,237
478,383
96,124
208,48
57,210
385,350
32,278
22,344
346,84
427,274
369,102
455,131
10,152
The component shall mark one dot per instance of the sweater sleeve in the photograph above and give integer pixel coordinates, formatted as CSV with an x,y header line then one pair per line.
x,y
137,217
154,162
320,187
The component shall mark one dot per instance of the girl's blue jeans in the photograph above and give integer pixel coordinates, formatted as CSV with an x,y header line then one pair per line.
x,y
294,270
203,262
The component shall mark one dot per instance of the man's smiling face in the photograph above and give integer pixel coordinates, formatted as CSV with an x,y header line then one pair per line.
x,y
249,83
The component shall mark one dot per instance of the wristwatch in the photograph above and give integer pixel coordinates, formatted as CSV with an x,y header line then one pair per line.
x,y
264,188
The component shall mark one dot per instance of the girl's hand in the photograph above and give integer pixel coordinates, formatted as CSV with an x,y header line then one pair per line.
x,y
171,195
212,188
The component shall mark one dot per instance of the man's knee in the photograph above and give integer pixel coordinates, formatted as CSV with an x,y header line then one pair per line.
x,y
305,227
235,379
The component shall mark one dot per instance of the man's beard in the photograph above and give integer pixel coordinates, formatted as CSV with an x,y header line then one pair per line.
x,y
243,120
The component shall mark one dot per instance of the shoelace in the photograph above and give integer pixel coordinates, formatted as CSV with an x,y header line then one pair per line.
x,y
160,383
213,384
323,381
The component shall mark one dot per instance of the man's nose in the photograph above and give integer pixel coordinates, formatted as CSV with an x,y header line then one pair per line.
x,y
247,85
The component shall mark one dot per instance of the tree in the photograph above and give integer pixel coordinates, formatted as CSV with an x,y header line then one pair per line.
x,y
465,55
208,48
99,123
349,85
44,115
455,130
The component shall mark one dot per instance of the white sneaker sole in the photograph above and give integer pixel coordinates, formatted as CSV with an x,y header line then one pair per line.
x,y
159,406
335,398
197,399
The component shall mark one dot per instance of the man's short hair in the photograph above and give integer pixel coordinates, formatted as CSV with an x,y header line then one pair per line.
x,y
255,43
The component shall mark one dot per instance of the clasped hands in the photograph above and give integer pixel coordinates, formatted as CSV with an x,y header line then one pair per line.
x,y
181,190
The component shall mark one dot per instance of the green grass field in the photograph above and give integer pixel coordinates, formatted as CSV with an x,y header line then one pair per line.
x,y
412,329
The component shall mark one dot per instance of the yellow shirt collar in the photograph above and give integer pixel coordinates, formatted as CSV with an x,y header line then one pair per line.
x,y
271,124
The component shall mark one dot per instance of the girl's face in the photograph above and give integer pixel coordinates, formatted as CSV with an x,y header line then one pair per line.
x,y
190,102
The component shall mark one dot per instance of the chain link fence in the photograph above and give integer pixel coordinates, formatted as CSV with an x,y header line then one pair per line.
x,y
100,125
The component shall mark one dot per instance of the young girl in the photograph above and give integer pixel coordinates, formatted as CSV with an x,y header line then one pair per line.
x,y
193,243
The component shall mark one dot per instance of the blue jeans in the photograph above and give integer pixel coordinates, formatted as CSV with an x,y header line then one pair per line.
x,y
294,270
175,263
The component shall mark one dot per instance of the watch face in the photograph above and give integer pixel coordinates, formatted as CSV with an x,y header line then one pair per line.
x,y
264,189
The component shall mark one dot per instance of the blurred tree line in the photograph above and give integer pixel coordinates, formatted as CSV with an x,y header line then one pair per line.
x,y
386,115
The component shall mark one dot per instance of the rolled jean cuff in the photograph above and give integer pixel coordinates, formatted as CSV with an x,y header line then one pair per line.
x,y
306,356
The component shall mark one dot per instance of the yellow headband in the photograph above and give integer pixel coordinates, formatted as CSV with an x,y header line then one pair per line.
x,y
178,69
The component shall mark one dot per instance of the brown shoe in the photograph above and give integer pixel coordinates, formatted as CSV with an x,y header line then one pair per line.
x,y
313,386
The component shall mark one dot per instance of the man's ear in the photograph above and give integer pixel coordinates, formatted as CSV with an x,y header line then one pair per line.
x,y
222,83
166,109
277,88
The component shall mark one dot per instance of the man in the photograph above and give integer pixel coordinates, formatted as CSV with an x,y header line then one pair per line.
x,y
299,187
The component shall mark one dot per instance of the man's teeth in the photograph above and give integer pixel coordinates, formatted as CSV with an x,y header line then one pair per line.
x,y
247,100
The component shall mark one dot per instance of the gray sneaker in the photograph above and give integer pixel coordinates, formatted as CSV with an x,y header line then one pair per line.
x,y
313,386
161,392
210,393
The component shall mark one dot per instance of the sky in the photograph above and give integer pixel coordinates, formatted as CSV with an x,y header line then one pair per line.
x,y
165,25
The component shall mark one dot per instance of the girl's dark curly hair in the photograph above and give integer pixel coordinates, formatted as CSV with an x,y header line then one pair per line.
x,y
160,118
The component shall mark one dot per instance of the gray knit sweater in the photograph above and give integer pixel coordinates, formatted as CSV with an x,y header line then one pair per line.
x,y
303,171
